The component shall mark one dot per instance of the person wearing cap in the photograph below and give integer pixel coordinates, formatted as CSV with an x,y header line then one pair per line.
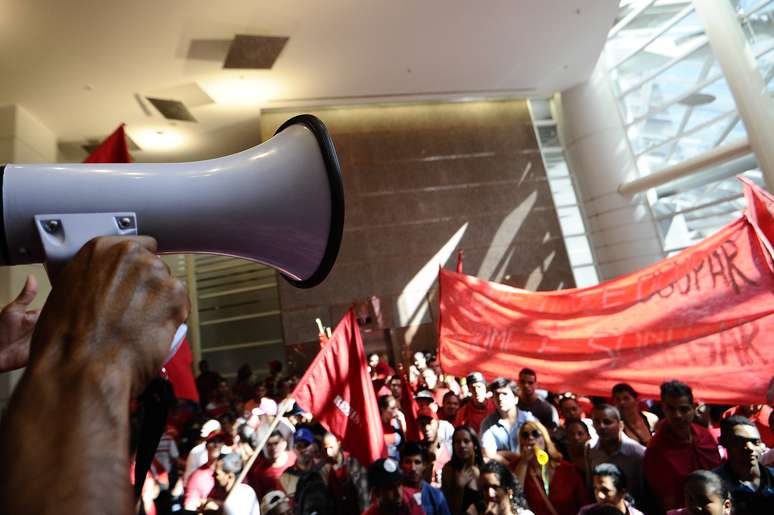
x,y
385,481
198,454
500,430
414,461
438,450
274,460
201,482
307,453
276,503
478,407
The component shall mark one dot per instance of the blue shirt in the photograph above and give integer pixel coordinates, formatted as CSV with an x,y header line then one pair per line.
x,y
433,501
495,434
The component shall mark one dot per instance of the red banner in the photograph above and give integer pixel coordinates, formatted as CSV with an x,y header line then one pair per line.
x,y
337,390
704,316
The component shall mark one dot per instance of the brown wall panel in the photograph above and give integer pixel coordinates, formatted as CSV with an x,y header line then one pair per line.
x,y
415,174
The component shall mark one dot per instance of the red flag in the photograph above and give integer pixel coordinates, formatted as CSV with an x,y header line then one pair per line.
x,y
112,150
409,406
704,316
179,372
179,369
336,389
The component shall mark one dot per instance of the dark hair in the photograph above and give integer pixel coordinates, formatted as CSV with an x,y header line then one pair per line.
x,y
508,480
232,462
276,432
449,394
455,461
710,481
528,371
608,407
603,509
612,471
675,389
625,387
384,401
577,422
413,448
727,425
502,382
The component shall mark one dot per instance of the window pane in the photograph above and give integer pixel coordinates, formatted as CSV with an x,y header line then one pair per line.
x,y
571,221
585,276
578,250
563,192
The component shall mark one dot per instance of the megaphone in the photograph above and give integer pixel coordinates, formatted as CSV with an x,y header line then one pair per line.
x,y
280,203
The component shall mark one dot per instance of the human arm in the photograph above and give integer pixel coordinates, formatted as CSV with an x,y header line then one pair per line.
x,y
102,335
16,326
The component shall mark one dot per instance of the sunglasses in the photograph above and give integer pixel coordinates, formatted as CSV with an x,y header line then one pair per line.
x,y
534,434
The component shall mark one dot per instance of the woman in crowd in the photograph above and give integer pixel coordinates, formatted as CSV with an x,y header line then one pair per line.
x,y
638,425
459,479
705,494
610,488
554,487
576,434
501,493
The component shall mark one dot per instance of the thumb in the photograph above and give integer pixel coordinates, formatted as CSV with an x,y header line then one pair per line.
x,y
28,293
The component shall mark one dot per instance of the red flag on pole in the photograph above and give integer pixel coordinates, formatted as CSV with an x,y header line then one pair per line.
x,y
410,409
112,150
336,389
179,370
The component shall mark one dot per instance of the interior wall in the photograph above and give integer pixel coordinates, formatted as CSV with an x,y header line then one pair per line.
x,y
420,182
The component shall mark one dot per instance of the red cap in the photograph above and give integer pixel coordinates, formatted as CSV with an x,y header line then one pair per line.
x,y
427,411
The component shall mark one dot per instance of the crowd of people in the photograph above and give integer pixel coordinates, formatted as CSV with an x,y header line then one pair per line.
x,y
467,445
478,446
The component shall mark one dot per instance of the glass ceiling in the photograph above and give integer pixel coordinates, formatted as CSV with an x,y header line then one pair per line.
x,y
676,105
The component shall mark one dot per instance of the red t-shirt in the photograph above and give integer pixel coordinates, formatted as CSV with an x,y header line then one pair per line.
x,y
668,461
567,491
472,415
410,505
264,476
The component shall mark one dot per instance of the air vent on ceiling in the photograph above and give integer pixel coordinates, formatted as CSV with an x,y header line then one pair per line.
x,y
172,109
254,52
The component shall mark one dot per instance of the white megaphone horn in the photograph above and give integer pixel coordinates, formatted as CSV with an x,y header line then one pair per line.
x,y
280,203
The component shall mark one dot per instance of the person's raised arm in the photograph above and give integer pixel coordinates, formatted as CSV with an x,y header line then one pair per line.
x,y
102,335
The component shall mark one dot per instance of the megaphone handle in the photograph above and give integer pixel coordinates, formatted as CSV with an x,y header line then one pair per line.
x,y
63,235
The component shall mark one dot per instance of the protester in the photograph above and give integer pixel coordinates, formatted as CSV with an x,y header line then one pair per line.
x,y
610,487
414,459
678,448
501,493
576,437
206,382
242,499
450,407
276,503
198,456
551,488
275,459
529,400
500,430
201,483
345,478
705,494
439,453
460,476
638,425
751,484
307,453
393,432
477,407
614,447
385,482
759,414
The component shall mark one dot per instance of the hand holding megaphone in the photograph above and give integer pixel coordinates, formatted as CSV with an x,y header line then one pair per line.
x,y
16,325
112,311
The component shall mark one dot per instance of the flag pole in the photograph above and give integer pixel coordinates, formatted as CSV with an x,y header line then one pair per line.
x,y
283,407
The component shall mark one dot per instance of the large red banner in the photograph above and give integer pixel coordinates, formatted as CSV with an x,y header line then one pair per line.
x,y
704,316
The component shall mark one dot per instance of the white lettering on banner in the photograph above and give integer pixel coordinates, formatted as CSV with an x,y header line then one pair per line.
x,y
345,408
